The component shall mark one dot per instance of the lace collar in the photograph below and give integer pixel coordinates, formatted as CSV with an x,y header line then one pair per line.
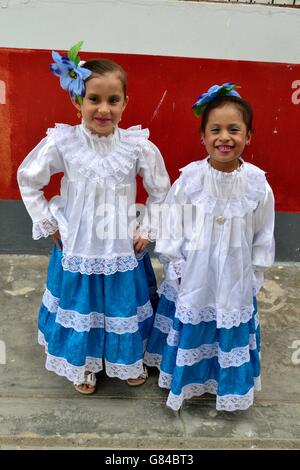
x,y
252,178
82,149
102,144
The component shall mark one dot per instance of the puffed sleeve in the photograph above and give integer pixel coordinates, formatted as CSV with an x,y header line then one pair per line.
x,y
33,174
169,245
263,248
151,168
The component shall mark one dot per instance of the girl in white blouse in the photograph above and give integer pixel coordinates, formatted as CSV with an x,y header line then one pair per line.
x,y
206,331
96,310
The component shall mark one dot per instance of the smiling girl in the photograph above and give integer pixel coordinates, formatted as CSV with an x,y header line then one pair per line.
x,y
206,331
96,311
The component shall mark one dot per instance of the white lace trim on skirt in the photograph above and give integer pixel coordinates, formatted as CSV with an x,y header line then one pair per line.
x,y
234,358
84,322
162,323
252,341
75,374
224,319
256,320
124,371
223,402
168,291
173,337
152,359
102,265
62,367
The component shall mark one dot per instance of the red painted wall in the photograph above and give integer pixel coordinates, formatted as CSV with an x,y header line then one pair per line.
x,y
35,101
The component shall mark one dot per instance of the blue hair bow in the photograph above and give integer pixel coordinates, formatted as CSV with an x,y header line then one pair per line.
x,y
227,89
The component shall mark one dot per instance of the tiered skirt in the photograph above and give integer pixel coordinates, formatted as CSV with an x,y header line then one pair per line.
x,y
194,359
95,322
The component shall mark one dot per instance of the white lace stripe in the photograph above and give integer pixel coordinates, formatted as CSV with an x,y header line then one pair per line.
x,y
189,357
224,402
162,323
106,266
124,371
144,311
191,390
234,358
224,319
75,374
256,320
235,402
62,367
50,301
165,380
78,321
252,341
152,360
121,325
84,322
173,337
168,291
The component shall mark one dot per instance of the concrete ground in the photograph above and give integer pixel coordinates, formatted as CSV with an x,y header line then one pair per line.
x,y
41,410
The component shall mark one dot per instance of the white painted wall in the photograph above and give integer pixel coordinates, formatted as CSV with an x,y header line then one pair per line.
x,y
159,27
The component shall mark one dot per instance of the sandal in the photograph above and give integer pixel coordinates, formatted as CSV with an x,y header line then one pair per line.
x,y
90,380
140,380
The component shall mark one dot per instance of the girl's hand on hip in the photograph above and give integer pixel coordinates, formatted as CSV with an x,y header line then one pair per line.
x,y
140,244
57,239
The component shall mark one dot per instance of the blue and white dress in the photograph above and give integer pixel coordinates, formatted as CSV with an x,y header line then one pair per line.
x,y
96,310
206,334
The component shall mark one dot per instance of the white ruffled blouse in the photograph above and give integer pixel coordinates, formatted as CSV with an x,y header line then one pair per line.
x,y
96,205
220,265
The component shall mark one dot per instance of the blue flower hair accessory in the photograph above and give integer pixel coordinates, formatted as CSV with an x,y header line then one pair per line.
x,y
71,75
227,89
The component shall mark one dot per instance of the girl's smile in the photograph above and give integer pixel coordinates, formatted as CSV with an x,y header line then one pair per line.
x,y
103,103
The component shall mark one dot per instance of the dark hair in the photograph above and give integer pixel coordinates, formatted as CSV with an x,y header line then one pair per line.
x,y
103,66
221,101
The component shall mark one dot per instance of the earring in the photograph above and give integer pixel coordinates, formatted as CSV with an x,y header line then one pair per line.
x,y
79,114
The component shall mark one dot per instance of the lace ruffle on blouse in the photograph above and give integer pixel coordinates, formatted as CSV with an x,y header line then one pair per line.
x,y
240,202
104,171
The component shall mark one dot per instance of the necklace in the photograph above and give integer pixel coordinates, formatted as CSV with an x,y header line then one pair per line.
x,y
220,219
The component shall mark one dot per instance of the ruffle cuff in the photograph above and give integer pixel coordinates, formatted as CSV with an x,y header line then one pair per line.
x,y
146,233
44,228
174,269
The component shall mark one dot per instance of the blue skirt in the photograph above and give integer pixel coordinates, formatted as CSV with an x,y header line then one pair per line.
x,y
91,322
201,358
